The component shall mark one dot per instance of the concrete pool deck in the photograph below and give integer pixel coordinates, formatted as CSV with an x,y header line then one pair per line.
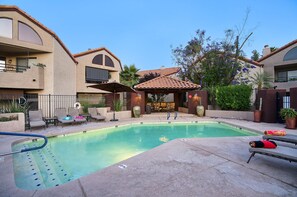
x,y
182,167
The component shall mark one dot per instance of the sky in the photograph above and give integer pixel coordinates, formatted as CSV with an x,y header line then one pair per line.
x,y
144,32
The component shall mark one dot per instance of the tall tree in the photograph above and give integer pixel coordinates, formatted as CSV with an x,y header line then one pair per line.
x,y
148,77
211,63
129,75
255,56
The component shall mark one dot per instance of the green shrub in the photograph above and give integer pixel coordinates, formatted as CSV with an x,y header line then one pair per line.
x,y
10,118
234,97
118,105
86,105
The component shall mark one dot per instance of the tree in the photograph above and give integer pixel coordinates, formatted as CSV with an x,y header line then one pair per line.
x,y
148,77
255,56
129,75
261,80
211,63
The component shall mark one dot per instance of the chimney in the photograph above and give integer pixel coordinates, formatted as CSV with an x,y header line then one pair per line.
x,y
266,50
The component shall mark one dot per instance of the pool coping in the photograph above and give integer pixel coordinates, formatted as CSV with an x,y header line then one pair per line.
x,y
7,170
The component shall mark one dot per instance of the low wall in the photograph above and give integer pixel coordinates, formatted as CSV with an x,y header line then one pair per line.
x,y
119,115
183,110
13,125
242,115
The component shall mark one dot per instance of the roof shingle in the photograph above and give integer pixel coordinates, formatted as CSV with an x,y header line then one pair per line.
x,y
165,82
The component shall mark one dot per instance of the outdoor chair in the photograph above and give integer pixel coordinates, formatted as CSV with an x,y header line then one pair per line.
x,y
95,115
36,119
62,116
281,152
74,112
289,138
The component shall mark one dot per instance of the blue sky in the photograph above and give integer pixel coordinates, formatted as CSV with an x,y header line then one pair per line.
x,y
143,32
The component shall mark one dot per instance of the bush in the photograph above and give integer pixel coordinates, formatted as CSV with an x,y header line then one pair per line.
x,y
234,97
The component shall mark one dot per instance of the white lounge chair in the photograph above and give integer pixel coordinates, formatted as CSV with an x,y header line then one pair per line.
x,y
62,116
95,115
74,112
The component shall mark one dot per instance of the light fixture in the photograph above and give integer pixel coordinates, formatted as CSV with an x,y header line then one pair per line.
x,y
9,61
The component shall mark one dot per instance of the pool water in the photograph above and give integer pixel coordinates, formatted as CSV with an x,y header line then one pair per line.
x,y
69,157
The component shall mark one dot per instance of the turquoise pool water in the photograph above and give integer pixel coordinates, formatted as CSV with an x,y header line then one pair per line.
x,y
69,157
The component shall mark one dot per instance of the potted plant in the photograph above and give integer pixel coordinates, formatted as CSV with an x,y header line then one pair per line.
x,y
289,115
258,113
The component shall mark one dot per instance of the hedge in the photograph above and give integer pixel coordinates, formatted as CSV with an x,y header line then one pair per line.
x,y
234,97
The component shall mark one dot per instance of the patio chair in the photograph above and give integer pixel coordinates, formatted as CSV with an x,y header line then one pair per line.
x,y
289,138
74,112
281,152
95,115
36,119
62,116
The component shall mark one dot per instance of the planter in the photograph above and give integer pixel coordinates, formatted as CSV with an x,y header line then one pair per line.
x,y
13,125
257,115
200,110
291,123
136,111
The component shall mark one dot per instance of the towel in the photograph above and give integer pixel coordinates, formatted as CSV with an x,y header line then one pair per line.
x,y
79,117
263,144
67,118
275,132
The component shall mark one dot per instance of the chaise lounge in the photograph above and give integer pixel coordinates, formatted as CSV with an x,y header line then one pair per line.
x,y
289,138
95,115
281,152
74,112
62,116
36,119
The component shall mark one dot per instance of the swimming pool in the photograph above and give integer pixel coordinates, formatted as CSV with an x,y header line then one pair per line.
x,y
68,157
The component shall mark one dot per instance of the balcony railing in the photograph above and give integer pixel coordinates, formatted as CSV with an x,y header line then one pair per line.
x,y
12,68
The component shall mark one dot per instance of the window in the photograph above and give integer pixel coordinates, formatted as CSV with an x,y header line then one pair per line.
x,y
24,63
2,64
108,61
286,73
98,59
291,55
96,75
26,33
6,27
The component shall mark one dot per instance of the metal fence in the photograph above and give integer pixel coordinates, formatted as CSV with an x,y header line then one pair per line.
x,y
47,103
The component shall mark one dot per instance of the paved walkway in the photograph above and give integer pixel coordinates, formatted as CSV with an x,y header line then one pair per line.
x,y
182,167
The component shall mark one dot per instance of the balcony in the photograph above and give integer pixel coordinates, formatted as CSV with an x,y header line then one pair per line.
x,y
21,77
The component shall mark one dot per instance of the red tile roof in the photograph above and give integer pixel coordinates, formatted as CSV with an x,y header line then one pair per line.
x,y
165,82
278,50
30,18
161,71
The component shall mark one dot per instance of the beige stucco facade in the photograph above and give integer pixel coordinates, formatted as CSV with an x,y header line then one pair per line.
x,y
59,75
274,62
85,60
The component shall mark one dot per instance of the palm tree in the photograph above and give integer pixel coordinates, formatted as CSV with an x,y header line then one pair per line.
x,y
129,75
261,80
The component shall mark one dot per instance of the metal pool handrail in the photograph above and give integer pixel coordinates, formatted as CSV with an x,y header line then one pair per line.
x,y
25,149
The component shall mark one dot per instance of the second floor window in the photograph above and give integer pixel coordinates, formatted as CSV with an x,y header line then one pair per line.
x,y
96,75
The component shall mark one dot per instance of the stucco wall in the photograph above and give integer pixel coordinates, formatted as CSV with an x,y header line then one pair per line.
x,y
86,60
277,60
64,81
46,38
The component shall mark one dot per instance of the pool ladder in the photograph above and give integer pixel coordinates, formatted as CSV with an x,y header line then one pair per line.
x,y
26,135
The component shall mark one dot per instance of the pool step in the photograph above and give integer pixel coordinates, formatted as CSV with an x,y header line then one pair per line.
x,y
40,169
